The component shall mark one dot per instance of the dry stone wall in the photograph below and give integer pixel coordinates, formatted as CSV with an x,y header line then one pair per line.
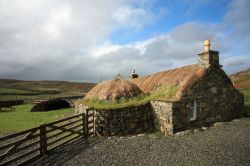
x,y
163,116
123,121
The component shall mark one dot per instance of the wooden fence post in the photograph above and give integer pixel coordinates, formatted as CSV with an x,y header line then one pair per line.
x,y
94,118
43,140
83,126
86,123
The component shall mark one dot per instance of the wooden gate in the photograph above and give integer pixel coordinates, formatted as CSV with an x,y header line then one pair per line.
x,y
22,147
90,122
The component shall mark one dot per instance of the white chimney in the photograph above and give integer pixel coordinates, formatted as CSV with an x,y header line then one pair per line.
x,y
207,45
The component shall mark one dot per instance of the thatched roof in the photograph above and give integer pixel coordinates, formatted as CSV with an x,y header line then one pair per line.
x,y
182,78
114,89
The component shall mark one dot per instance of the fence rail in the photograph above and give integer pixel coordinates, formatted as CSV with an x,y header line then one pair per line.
x,y
22,147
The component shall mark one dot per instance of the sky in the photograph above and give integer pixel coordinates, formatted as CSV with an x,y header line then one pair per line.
x,y
93,40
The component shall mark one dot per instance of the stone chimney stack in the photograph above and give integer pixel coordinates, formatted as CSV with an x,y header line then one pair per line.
x,y
208,58
133,74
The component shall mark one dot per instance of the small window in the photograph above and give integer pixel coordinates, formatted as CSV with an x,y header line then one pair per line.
x,y
192,109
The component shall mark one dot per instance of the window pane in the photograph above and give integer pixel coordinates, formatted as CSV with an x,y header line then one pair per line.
x,y
192,103
191,113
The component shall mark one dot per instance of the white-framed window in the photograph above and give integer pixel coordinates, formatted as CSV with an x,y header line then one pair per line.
x,y
192,109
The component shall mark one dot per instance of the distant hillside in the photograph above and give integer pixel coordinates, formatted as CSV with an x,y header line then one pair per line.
x,y
50,86
241,81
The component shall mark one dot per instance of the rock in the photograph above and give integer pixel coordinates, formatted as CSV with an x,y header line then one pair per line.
x,y
210,119
213,90
140,135
182,133
219,124
236,120
204,128
122,137
196,130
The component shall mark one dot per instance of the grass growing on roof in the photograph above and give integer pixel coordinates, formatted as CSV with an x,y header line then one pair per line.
x,y
166,93
112,104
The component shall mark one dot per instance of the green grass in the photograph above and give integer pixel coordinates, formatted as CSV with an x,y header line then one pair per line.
x,y
246,109
103,104
246,93
164,94
14,91
20,118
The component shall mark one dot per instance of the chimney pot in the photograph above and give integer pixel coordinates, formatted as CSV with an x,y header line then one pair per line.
x,y
207,45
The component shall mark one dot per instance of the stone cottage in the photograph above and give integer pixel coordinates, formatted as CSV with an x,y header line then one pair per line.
x,y
204,95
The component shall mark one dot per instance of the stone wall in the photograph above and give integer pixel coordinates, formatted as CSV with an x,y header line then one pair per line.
x,y
123,121
217,100
163,116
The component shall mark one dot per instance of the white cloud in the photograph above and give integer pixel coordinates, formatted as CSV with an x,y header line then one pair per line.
x,y
237,19
57,19
104,49
42,39
69,40
129,17
236,63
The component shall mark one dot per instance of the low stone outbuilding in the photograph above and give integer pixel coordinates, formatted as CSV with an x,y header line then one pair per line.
x,y
204,95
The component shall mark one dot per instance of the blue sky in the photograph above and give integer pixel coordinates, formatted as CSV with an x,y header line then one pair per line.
x,y
174,13
87,40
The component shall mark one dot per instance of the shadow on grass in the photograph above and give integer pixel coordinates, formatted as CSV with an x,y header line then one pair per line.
x,y
62,154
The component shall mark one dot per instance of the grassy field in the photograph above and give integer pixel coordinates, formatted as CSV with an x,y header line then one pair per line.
x,y
246,93
21,94
14,91
20,118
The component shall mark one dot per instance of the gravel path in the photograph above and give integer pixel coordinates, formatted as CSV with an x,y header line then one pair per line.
x,y
226,144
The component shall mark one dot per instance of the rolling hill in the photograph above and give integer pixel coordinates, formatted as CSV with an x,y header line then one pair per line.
x,y
18,89
62,86
241,81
